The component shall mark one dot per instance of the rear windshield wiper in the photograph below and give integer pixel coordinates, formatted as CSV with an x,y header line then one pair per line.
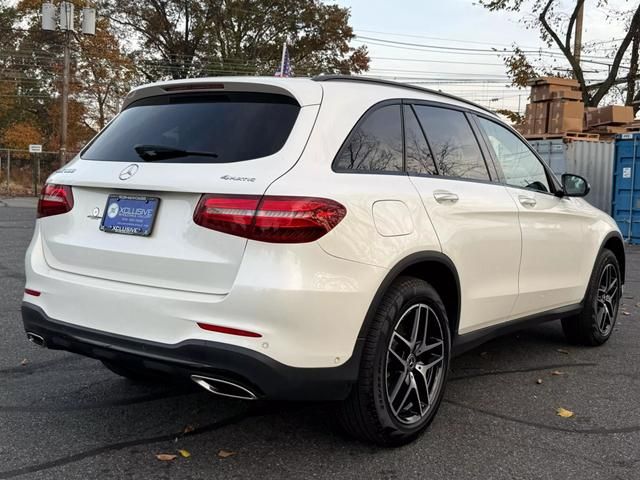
x,y
150,153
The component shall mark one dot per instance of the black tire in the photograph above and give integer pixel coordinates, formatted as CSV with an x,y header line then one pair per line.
x,y
367,413
593,326
133,374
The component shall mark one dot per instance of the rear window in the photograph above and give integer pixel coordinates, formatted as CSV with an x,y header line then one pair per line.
x,y
219,127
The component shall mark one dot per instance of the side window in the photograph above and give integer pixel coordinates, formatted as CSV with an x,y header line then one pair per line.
x,y
376,145
417,154
453,143
520,166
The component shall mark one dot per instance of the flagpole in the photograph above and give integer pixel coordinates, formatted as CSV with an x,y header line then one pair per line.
x,y
284,51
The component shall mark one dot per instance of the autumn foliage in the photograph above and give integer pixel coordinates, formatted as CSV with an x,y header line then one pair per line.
x,y
138,42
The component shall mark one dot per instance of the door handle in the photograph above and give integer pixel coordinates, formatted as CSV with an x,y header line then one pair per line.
x,y
527,201
444,196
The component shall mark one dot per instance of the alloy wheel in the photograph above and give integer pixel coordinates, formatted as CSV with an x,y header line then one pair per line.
x,y
415,364
607,299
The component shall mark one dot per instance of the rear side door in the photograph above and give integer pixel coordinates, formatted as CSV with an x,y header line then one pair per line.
x,y
555,233
475,218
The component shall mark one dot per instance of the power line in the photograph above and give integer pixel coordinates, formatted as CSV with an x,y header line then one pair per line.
x,y
436,61
472,42
472,51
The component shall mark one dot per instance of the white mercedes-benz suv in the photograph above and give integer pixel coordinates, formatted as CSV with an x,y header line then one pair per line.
x,y
328,238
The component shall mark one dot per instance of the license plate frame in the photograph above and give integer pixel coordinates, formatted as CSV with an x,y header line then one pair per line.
x,y
135,215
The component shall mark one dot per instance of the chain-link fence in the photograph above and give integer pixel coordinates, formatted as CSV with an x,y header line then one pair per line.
x,y
23,173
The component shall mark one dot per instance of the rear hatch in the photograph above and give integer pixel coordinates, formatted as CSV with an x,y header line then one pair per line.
x,y
174,143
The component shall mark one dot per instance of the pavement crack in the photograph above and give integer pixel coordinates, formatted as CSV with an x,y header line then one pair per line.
x,y
544,426
521,370
76,457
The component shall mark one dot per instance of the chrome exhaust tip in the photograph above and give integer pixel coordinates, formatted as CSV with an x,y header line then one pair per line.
x,y
36,339
224,388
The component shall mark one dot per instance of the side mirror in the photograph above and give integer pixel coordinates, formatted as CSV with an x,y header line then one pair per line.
x,y
574,185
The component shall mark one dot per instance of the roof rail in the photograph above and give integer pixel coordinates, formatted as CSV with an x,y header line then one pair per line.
x,y
356,78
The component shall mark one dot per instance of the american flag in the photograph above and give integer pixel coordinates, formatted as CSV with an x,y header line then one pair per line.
x,y
285,65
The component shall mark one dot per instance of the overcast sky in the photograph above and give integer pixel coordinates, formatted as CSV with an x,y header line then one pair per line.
x,y
459,23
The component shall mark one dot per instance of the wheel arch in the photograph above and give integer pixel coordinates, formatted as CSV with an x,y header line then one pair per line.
x,y
435,268
614,242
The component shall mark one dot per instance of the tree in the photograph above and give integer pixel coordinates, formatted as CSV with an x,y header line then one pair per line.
x,y
104,75
31,77
21,98
21,135
154,40
184,38
557,28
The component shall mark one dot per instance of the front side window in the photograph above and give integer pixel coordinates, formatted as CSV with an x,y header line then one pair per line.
x,y
375,145
520,166
452,142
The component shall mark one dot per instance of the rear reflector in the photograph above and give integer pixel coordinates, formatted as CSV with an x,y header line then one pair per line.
x,y
228,330
35,293
270,218
54,200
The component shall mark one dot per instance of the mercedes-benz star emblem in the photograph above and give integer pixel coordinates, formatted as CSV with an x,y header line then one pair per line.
x,y
128,172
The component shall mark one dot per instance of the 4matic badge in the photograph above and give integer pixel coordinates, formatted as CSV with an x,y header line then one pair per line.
x,y
238,179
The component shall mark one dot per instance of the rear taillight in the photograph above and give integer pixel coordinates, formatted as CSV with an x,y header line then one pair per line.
x,y
54,200
269,218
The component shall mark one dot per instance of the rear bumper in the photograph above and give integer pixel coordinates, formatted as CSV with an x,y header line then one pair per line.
x,y
307,306
260,373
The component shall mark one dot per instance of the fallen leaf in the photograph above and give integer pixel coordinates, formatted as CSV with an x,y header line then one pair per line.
x,y
226,453
626,314
557,372
561,350
184,453
564,413
484,354
166,457
539,381
188,429
24,362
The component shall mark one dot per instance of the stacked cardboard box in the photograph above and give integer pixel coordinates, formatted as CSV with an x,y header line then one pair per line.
x,y
541,117
613,115
609,121
555,107
565,115
549,88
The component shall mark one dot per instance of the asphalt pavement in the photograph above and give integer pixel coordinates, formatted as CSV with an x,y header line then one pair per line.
x,y
63,416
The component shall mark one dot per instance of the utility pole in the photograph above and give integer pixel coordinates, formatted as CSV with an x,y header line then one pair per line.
x,y
65,101
51,21
519,103
577,45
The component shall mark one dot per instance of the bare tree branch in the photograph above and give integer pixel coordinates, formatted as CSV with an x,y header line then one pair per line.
x,y
566,50
634,26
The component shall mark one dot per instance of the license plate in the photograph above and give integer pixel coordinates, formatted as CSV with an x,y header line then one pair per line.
x,y
129,215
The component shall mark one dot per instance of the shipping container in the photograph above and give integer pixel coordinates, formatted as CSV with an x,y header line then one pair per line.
x,y
592,160
626,186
